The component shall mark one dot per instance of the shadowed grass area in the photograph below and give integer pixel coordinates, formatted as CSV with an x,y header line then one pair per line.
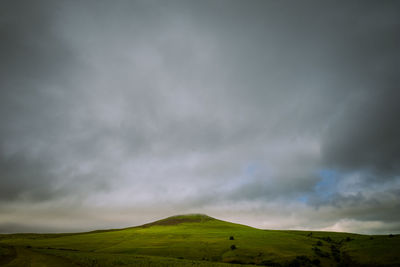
x,y
200,239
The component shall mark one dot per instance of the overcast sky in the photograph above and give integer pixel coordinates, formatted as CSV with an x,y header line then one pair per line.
x,y
275,114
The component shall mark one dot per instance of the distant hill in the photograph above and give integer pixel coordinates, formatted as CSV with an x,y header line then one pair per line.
x,y
198,240
178,219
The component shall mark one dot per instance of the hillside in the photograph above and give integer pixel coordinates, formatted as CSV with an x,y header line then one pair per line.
x,y
198,240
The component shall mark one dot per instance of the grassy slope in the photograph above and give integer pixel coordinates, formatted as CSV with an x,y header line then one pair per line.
x,y
368,250
201,238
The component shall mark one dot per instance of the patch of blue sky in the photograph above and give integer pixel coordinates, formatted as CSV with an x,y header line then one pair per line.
x,y
327,186
250,169
303,199
324,189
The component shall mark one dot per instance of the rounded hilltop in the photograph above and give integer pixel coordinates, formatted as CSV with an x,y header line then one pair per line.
x,y
182,218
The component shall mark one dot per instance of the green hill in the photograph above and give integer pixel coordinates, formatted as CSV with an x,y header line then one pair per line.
x,y
198,240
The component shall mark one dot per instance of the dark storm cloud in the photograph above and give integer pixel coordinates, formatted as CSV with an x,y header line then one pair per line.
x,y
365,134
38,75
32,60
145,108
20,175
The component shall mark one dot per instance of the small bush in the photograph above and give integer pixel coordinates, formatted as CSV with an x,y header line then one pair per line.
x,y
335,253
348,239
316,262
236,261
320,253
327,239
319,243
303,258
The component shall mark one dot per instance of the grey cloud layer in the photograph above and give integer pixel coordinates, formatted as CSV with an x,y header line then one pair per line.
x,y
146,108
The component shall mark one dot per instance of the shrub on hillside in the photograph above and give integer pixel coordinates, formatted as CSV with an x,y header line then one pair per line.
x,y
327,239
335,253
270,263
348,239
320,253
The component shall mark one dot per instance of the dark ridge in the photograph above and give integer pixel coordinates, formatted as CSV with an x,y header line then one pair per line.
x,y
178,219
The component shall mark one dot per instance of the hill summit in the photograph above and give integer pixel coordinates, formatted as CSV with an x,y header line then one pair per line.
x,y
184,218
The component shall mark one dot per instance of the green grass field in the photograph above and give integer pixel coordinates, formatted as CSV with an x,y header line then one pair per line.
x,y
198,240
